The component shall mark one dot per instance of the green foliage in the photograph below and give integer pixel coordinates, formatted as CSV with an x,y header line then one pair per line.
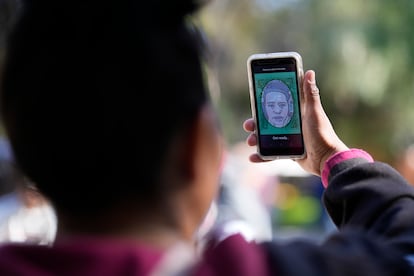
x,y
362,52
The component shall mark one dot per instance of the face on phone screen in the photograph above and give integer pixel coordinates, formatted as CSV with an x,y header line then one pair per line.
x,y
276,92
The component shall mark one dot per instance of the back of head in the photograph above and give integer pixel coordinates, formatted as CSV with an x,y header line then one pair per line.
x,y
93,91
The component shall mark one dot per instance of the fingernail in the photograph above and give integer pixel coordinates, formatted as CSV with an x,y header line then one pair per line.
x,y
312,79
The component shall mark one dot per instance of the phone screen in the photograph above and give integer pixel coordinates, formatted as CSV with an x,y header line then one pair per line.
x,y
276,92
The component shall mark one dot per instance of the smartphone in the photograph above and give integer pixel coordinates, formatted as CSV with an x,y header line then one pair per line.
x,y
275,83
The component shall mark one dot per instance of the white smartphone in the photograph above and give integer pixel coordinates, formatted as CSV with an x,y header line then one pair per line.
x,y
275,84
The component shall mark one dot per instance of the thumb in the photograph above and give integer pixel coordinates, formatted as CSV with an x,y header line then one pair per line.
x,y
310,90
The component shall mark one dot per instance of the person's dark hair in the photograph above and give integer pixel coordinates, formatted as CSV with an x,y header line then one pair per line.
x,y
79,79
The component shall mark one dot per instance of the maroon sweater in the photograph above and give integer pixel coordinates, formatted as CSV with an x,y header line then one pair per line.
x,y
372,205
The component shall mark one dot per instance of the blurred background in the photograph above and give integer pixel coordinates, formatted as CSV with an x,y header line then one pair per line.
x,y
363,55
362,52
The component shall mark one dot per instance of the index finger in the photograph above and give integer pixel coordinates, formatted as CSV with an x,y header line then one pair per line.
x,y
249,125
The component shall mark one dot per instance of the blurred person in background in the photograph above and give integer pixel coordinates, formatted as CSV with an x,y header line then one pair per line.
x,y
240,206
25,214
131,193
405,163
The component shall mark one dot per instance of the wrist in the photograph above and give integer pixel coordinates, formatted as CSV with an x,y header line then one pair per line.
x,y
333,152
339,157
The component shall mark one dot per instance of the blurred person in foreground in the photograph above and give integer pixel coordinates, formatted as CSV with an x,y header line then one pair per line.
x,y
131,192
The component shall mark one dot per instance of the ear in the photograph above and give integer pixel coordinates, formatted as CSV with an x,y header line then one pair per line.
x,y
204,156
198,168
197,151
207,145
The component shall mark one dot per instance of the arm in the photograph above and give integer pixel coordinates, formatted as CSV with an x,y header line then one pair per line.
x,y
371,196
361,193
372,205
